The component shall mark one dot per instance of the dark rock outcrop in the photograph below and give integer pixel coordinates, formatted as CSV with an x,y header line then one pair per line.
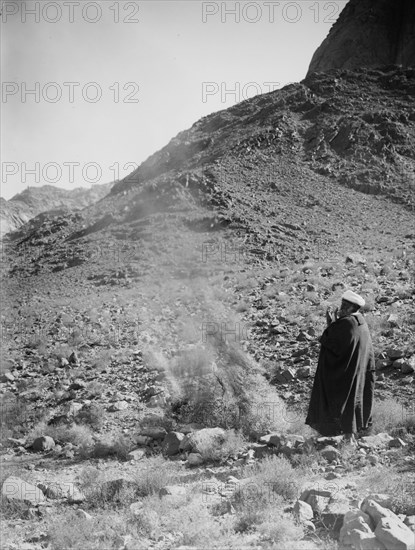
x,y
369,33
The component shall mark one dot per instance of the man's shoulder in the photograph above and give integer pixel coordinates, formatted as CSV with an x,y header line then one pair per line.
x,y
350,322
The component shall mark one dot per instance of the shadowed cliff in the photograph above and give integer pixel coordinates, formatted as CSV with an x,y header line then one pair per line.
x,y
369,33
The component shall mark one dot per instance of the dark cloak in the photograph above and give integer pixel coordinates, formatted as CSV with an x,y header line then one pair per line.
x,y
342,395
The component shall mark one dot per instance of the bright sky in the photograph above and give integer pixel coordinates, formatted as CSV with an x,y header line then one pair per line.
x,y
91,89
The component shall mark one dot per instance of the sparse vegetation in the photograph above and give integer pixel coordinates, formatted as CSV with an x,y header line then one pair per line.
x,y
178,334
391,416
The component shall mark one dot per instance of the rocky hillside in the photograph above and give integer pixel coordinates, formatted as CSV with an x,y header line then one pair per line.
x,y
34,200
159,347
369,33
355,127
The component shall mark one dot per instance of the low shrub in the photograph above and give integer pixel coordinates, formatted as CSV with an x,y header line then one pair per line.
x,y
277,475
389,415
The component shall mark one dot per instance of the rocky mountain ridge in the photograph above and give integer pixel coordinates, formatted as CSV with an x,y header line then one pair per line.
x,y
35,200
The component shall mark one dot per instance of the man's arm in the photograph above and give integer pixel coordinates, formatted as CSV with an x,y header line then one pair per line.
x,y
339,336
331,316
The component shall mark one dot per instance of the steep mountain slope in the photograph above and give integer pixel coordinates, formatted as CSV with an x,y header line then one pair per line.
x,y
241,231
369,33
357,127
34,200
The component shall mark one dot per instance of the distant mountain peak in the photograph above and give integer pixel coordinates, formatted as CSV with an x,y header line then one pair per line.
x,y
35,200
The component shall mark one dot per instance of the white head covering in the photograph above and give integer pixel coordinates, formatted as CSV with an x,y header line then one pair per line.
x,y
354,298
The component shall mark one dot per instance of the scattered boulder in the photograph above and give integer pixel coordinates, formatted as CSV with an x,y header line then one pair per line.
x,y
207,438
288,374
136,508
171,443
304,372
260,450
378,440
406,366
136,454
75,495
333,515
330,453
157,401
142,440
397,443
333,441
395,353
365,541
195,459
393,320
83,515
376,511
118,406
74,359
394,534
318,502
355,259
77,384
273,439
381,498
154,432
43,443
303,511
15,488
7,377
185,444
354,520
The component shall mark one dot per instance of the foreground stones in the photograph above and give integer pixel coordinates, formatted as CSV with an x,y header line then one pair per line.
x,y
375,527
16,489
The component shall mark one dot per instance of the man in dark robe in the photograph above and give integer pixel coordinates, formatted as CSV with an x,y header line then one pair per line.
x,y
342,396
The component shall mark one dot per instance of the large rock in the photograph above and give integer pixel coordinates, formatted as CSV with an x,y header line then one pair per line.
x,y
394,534
195,459
273,439
333,441
333,515
365,541
136,454
369,33
75,495
118,406
260,450
171,443
378,440
15,488
408,365
330,453
142,440
389,528
208,438
395,353
43,443
383,499
155,432
375,511
354,520
303,511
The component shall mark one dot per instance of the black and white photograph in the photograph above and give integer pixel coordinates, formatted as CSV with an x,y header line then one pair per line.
x,y
207,283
